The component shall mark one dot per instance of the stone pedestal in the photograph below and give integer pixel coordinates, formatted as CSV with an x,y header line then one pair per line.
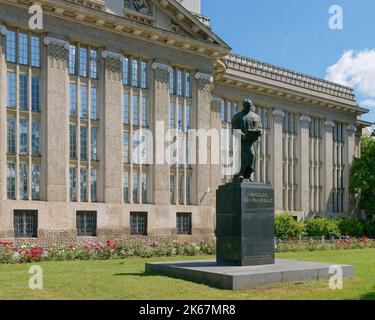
x,y
245,224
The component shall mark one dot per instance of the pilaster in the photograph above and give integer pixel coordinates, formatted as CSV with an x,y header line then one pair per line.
x,y
328,165
215,168
277,156
304,156
203,108
350,155
161,125
112,166
57,143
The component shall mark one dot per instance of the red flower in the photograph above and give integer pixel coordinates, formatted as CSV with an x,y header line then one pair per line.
x,y
27,251
108,243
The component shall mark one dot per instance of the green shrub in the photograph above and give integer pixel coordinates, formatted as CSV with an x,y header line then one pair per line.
x,y
286,226
351,227
370,228
322,227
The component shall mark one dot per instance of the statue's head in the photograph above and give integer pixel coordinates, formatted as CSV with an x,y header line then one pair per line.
x,y
248,105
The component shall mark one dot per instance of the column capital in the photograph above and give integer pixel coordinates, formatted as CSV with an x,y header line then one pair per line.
x,y
53,41
3,29
305,118
162,71
216,100
329,123
204,81
113,61
278,114
351,128
57,47
161,66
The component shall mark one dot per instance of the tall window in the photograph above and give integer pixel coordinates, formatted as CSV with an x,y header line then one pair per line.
x,y
18,46
84,111
290,162
22,55
135,117
35,94
23,181
35,142
11,181
73,184
35,188
11,134
84,58
11,90
338,168
315,165
180,116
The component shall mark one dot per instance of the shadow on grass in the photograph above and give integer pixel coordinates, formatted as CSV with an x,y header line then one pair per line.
x,y
134,274
368,296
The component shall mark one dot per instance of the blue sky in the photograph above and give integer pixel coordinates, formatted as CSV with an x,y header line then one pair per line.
x,y
295,34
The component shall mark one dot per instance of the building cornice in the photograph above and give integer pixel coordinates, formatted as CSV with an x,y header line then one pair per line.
x,y
289,92
93,17
280,74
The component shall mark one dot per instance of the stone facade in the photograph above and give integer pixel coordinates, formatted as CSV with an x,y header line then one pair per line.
x,y
172,48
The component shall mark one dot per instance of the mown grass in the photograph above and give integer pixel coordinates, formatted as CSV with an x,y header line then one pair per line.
x,y
126,279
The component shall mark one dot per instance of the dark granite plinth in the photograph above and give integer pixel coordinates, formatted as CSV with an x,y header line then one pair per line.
x,y
245,278
245,225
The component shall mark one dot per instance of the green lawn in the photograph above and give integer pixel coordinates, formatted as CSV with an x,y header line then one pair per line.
x,y
125,279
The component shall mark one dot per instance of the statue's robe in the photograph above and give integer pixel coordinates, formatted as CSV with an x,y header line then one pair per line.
x,y
247,122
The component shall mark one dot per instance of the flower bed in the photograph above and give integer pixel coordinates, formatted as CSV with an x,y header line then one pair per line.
x,y
295,245
12,253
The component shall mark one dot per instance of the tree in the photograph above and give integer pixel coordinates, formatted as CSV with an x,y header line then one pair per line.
x,y
362,179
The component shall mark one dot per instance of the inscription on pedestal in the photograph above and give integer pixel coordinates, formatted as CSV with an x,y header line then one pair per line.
x,y
245,224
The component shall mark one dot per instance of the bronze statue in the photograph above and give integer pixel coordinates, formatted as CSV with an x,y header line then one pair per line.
x,y
251,129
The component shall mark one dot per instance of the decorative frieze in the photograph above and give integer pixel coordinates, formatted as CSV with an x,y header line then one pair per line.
x,y
161,71
204,81
113,61
57,48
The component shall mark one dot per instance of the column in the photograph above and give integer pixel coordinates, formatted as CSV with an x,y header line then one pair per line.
x,y
215,168
112,166
304,156
56,135
3,126
328,165
277,156
203,111
161,171
349,158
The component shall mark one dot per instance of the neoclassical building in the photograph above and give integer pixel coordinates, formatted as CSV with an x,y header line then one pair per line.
x,y
74,93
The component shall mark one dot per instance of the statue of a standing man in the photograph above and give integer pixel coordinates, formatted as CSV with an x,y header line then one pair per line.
x,y
251,129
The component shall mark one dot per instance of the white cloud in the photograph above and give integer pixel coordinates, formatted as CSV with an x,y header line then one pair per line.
x,y
368,103
356,69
